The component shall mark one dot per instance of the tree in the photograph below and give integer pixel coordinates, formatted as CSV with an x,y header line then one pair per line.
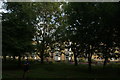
x,y
48,17
82,19
92,23
18,29
109,27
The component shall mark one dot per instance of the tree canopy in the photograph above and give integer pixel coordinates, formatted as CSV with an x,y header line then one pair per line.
x,y
87,25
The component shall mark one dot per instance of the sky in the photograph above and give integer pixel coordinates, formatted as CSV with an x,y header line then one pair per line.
x,y
1,6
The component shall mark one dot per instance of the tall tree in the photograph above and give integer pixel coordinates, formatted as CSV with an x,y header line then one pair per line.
x,y
109,27
82,19
48,20
18,29
92,23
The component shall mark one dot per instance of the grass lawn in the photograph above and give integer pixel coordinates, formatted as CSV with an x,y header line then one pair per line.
x,y
62,70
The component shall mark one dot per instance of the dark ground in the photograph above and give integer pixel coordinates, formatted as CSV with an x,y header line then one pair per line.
x,y
56,71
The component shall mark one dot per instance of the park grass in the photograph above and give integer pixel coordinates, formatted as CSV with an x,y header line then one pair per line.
x,y
61,70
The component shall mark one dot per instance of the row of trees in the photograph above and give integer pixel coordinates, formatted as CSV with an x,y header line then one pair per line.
x,y
22,25
89,26
94,25
18,29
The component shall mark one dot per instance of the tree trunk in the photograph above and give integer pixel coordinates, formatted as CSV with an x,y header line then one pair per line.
x,y
105,62
106,52
75,59
4,58
89,58
89,63
41,56
14,57
19,60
